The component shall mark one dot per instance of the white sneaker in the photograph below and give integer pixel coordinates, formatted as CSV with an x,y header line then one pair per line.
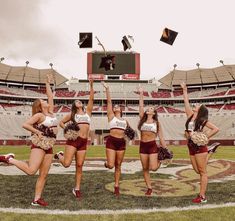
x,y
212,148
56,156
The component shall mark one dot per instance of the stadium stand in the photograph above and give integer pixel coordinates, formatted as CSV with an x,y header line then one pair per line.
x,y
173,110
231,92
64,93
83,93
160,94
65,109
145,93
26,74
200,76
204,86
177,93
229,107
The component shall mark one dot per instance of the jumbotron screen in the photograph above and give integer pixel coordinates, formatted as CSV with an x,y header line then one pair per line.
x,y
125,63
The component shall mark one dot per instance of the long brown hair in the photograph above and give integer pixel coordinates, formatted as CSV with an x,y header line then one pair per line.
x,y
74,111
36,107
201,119
144,118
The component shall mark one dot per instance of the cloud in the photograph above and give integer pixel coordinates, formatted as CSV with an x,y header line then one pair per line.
x,y
22,33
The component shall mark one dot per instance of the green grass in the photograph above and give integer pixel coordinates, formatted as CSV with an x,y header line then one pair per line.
x,y
95,196
58,192
220,214
180,152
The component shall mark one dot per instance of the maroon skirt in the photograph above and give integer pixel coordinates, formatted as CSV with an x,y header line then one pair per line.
x,y
49,151
115,143
195,149
149,147
80,143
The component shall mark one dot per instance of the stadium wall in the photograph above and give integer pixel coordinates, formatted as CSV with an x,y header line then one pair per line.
x,y
12,132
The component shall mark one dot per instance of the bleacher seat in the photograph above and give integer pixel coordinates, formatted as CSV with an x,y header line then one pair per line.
x,y
161,94
64,93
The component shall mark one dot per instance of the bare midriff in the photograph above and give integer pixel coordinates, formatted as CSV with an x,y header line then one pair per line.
x,y
84,130
117,133
147,136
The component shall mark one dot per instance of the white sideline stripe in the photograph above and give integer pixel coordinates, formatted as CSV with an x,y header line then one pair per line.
x,y
112,212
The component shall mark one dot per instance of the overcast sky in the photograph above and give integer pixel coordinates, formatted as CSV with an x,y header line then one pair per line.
x,y
44,31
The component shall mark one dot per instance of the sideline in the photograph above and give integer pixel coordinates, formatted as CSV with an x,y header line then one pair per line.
x,y
113,212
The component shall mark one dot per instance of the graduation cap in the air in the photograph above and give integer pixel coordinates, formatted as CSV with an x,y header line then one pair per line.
x,y
126,43
85,40
107,62
168,36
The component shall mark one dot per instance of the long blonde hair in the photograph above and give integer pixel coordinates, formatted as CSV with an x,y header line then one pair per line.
x,y
37,107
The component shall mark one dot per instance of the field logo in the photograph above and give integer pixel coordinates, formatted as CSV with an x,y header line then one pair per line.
x,y
184,183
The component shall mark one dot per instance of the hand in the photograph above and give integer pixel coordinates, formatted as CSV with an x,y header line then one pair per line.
x,y
39,134
183,86
105,85
49,78
187,134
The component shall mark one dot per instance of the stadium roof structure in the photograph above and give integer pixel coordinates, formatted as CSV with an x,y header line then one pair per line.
x,y
25,74
200,76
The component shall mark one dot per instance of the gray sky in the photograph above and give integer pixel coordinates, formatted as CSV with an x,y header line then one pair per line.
x,y
44,31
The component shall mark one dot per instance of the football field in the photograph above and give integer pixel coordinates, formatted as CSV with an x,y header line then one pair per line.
x,y
174,186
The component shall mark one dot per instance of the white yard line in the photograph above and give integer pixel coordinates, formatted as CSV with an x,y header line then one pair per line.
x,y
113,212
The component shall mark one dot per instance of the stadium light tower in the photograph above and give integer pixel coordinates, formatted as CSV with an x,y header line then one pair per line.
x,y
27,63
222,62
1,59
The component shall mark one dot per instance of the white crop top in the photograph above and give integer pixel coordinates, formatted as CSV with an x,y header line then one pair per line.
x,y
151,127
191,126
50,122
82,118
116,123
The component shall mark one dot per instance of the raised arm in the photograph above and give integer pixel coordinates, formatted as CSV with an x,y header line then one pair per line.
x,y
188,109
110,113
28,125
213,129
160,135
49,94
91,99
64,120
141,102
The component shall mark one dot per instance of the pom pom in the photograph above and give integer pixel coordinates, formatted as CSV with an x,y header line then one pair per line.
x,y
71,131
199,138
44,142
130,133
164,154
46,131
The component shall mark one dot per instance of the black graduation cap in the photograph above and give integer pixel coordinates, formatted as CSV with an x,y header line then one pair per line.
x,y
107,62
168,36
126,43
85,40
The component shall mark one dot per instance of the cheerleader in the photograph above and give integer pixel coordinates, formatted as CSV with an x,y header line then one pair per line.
x,y
150,128
77,145
115,143
43,125
197,119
